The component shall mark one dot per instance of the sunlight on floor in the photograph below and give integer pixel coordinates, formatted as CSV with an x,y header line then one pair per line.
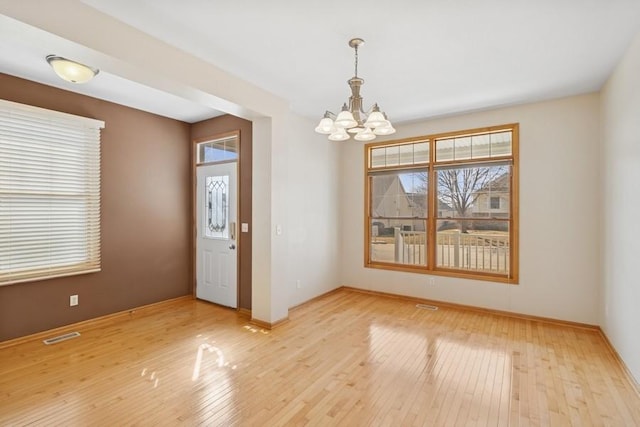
x,y
153,377
254,330
219,361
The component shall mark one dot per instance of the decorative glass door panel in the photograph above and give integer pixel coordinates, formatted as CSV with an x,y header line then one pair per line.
x,y
216,207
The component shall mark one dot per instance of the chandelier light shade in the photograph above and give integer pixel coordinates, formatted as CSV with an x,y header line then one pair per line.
x,y
345,119
385,129
326,125
365,135
353,118
339,134
71,71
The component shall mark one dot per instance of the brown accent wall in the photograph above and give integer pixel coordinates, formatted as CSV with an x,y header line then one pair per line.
x,y
146,217
219,125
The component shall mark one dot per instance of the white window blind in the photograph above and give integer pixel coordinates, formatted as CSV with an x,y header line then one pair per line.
x,y
49,193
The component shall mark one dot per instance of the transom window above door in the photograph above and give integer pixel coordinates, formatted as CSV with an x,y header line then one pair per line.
x,y
218,150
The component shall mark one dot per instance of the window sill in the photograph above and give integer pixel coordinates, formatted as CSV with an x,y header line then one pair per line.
x,y
487,277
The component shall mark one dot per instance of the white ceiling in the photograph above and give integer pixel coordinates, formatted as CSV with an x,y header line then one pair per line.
x,y
421,58
24,50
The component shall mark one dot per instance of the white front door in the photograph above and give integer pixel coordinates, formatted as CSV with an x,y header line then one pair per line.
x,y
216,251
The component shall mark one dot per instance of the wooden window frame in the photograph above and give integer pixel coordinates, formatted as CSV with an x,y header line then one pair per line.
x,y
431,265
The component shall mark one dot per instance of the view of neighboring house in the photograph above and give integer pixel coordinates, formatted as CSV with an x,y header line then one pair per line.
x,y
391,200
493,200
393,206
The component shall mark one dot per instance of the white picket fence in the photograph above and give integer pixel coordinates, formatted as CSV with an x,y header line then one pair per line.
x,y
410,247
473,251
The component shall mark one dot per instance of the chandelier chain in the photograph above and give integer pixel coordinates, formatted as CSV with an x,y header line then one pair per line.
x,y
356,48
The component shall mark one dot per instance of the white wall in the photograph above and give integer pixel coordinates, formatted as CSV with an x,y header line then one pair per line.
x,y
261,221
559,215
312,234
621,202
295,190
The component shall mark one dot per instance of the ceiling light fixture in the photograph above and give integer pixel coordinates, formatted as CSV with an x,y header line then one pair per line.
x,y
71,71
353,118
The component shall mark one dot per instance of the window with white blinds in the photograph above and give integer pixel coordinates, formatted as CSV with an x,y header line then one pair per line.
x,y
49,193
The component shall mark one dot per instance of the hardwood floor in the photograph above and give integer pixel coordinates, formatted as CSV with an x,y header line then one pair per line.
x,y
346,359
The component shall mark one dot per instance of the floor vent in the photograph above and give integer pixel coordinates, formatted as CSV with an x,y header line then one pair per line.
x,y
64,337
426,307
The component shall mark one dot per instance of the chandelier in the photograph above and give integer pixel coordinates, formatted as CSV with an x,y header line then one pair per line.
x,y
353,119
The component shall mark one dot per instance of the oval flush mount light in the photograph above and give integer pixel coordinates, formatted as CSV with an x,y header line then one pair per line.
x,y
71,71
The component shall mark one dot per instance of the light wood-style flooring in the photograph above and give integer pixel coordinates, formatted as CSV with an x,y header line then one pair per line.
x,y
348,358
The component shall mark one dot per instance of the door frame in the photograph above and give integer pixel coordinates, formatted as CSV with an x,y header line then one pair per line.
x,y
194,220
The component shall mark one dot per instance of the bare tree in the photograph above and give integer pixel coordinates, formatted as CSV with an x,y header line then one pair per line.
x,y
460,188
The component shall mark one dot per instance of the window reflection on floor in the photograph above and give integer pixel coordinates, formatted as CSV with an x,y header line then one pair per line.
x,y
219,359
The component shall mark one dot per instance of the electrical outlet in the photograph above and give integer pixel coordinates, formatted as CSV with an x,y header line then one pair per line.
x,y
73,300
432,281
298,284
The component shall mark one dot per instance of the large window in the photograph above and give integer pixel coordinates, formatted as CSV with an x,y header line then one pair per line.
x,y
49,194
445,204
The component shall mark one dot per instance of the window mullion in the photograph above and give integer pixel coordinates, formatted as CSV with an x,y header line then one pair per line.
x,y
432,203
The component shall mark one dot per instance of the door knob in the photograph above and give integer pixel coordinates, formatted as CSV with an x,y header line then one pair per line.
x,y
232,246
